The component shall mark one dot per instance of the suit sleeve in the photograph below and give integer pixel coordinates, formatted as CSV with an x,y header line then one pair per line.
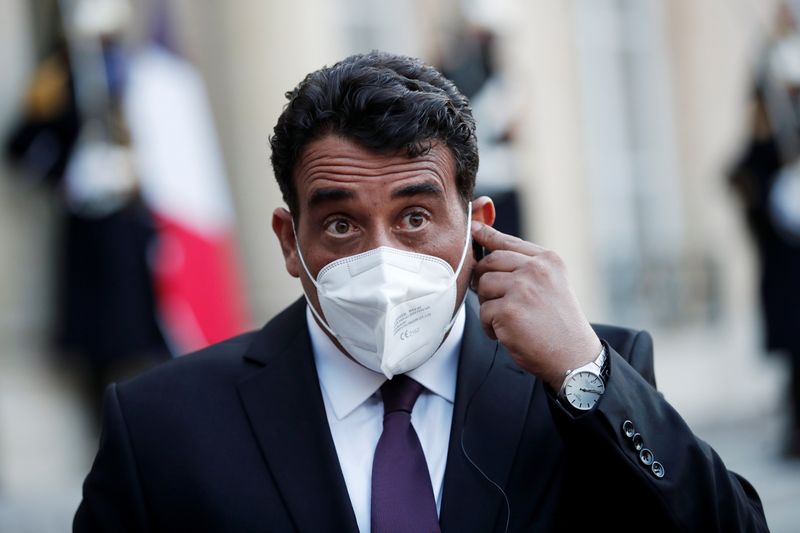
x,y
112,495
692,489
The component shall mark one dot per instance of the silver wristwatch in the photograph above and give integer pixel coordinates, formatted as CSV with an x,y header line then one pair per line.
x,y
583,386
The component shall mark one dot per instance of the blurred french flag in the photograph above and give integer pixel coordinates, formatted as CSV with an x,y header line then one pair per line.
x,y
197,277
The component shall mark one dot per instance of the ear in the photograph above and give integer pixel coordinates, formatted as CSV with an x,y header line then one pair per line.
x,y
483,210
282,226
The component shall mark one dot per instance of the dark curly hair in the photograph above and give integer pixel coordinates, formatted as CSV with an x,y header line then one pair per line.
x,y
383,102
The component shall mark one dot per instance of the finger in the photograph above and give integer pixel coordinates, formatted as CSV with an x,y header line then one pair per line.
x,y
500,261
494,285
487,313
490,238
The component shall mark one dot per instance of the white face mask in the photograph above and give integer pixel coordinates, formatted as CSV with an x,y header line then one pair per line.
x,y
390,309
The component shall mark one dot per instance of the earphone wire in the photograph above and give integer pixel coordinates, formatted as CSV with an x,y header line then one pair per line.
x,y
464,449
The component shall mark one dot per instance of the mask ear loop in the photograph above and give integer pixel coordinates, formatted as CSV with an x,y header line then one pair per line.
x,y
461,263
308,301
466,241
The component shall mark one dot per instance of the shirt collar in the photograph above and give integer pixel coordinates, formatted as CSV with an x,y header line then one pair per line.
x,y
347,384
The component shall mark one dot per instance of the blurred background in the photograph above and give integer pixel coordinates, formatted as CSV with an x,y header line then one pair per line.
x,y
652,143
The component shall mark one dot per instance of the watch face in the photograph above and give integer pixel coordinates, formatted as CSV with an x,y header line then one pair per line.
x,y
583,390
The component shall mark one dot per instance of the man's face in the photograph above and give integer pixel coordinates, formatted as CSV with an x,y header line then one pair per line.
x,y
352,200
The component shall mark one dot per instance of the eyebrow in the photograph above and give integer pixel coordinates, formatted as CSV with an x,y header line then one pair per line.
x,y
416,189
321,196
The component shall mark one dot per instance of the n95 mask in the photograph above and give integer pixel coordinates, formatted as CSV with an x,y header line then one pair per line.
x,y
390,309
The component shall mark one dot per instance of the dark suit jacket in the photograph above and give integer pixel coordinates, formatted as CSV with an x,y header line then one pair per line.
x,y
235,438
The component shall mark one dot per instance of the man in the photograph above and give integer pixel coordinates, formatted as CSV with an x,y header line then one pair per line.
x,y
505,411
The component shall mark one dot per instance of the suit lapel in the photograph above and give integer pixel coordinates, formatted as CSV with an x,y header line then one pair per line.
x,y
491,406
285,408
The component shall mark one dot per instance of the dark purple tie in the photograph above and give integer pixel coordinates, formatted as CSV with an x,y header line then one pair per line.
x,y
402,495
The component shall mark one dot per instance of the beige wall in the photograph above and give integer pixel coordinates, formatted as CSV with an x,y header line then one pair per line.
x,y
714,45
543,63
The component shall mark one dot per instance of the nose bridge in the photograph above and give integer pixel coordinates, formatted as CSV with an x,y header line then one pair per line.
x,y
379,233
383,236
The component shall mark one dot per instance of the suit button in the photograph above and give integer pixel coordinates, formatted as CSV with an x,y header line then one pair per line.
x,y
658,469
638,442
646,457
627,429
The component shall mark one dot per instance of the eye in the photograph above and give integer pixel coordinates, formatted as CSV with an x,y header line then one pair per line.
x,y
339,227
414,220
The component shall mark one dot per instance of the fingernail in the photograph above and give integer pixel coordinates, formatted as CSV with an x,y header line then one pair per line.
x,y
477,225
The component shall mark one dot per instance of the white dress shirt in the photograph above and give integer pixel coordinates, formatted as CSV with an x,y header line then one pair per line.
x,y
354,408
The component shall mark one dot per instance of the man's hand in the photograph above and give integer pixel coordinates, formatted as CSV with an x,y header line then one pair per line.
x,y
528,305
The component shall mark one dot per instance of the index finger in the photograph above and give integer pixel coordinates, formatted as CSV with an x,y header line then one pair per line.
x,y
491,239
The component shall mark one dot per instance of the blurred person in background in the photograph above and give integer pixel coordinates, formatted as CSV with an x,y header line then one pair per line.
x,y
73,135
470,60
767,179
124,130
394,397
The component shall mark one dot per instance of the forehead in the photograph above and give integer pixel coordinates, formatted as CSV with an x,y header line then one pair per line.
x,y
335,161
